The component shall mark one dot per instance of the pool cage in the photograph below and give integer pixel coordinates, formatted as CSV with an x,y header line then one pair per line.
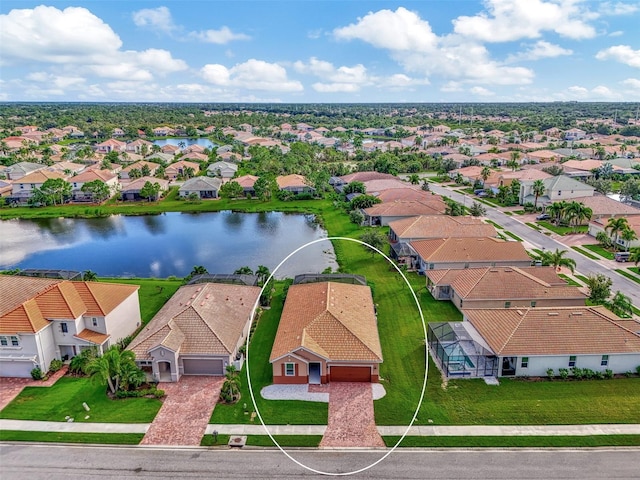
x,y
460,351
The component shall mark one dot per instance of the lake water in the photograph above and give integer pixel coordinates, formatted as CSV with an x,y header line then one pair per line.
x,y
203,142
167,244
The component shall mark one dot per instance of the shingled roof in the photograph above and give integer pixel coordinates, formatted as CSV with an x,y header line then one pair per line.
x,y
336,321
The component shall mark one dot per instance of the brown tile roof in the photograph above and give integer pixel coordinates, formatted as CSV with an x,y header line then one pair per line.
x,y
334,320
555,331
603,205
246,181
586,165
367,176
206,318
138,183
509,283
403,193
469,250
28,303
40,176
92,336
152,166
408,208
293,180
90,175
441,226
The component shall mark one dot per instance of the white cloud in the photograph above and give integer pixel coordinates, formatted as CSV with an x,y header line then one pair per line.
x,y
619,8
632,83
538,50
160,61
220,37
621,53
336,87
252,74
411,42
481,92
599,92
59,81
509,20
617,33
155,18
452,86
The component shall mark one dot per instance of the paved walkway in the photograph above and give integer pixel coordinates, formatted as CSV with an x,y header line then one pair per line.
x,y
351,418
10,387
186,411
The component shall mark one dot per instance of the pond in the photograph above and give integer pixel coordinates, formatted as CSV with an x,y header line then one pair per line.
x,y
167,244
176,142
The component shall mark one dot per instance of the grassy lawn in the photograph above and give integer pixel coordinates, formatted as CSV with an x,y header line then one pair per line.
x,y
285,440
630,276
635,270
585,253
499,227
582,278
65,397
513,235
534,226
560,230
66,437
274,412
207,441
560,441
600,251
569,280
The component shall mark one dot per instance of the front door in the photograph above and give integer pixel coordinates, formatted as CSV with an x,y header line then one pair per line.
x,y
508,366
314,373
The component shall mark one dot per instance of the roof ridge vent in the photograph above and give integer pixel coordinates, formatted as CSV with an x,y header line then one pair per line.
x,y
553,314
576,313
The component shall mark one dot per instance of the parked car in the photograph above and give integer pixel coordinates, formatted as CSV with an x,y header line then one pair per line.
x,y
622,256
543,216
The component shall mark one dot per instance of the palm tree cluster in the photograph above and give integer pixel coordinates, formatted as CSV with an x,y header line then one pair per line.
x,y
556,259
230,392
116,368
569,213
619,228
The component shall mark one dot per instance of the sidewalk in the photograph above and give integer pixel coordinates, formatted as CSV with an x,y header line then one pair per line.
x,y
425,430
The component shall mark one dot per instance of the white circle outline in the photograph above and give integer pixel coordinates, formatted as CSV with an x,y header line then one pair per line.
x,y
426,366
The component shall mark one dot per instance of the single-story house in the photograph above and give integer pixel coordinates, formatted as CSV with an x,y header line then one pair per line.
x,y
178,168
519,342
222,169
199,331
131,190
457,253
111,145
44,319
542,156
18,170
503,287
153,168
247,182
327,333
385,213
557,188
294,183
605,207
502,178
600,224
204,187
438,226
109,178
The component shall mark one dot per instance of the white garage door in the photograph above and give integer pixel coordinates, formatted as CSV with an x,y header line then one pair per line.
x,y
198,366
16,369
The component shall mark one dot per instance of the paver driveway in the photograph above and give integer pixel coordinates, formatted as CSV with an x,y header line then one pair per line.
x,y
186,411
10,387
351,420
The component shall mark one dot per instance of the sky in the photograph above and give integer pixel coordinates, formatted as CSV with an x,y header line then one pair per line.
x,y
320,51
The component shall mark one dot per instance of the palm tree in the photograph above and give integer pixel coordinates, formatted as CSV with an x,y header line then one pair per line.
x,y
243,271
198,270
230,392
557,259
635,255
486,171
577,212
414,179
112,366
555,210
628,235
89,276
621,304
538,189
262,273
615,226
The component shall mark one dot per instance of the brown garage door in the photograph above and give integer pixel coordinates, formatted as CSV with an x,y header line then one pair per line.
x,y
193,366
350,374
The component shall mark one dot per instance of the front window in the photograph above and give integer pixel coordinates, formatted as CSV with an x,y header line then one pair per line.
x,y
4,341
605,360
95,322
14,341
289,369
524,363
64,328
9,341
507,304
572,361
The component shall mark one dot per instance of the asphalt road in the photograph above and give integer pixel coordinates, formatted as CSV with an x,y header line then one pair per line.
x,y
584,265
34,462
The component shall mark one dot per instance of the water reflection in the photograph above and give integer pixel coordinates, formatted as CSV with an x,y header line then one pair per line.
x,y
155,225
267,222
234,220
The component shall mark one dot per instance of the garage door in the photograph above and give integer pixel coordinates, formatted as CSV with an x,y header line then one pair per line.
x,y
350,374
16,369
197,366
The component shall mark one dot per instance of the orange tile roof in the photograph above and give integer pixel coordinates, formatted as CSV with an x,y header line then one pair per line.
x,y
335,320
92,336
366,176
205,318
40,176
404,193
293,180
555,331
469,250
409,208
441,226
90,175
246,181
102,298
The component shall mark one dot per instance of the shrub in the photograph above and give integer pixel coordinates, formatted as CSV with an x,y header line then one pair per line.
x,y
356,217
529,207
578,373
608,374
628,373
79,363
564,373
55,365
550,373
599,375
589,374
158,393
37,374
638,370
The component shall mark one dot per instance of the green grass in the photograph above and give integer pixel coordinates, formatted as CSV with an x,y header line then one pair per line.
x,y
66,396
518,212
569,280
505,442
635,270
534,226
513,235
582,278
274,412
66,437
207,441
285,440
585,253
630,276
600,251
499,227
561,230
508,213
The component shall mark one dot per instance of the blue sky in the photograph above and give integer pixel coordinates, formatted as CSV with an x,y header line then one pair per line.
x,y
320,51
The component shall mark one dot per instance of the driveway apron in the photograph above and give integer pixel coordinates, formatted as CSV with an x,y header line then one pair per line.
x,y
186,411
351,419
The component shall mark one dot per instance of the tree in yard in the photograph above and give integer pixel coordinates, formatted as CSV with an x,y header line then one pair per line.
x,y
486,171
145,171
414,179
231,189
621,304
557,259
635,255
425,186
111,367
628,235
364,201
459,179
56,189
374,238
97,189
513,165
243,271
515,160
553,170
356,216
599,287
189,172
150,190
538,189
89,276
577,213
477,210
605,171
630,190
135,173
453,209
262,273
515,188
615,226
230,392
604,240
264,187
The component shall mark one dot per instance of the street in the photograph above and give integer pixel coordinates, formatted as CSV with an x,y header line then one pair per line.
x,y
36,462
584,265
